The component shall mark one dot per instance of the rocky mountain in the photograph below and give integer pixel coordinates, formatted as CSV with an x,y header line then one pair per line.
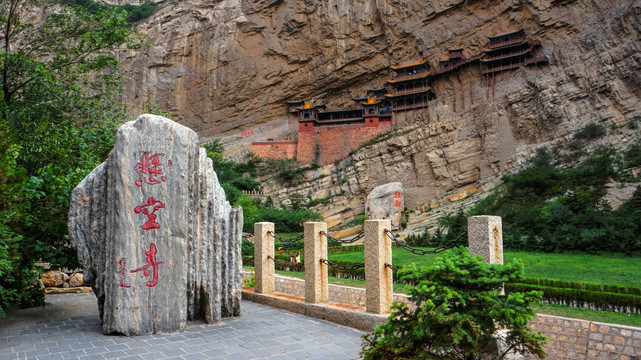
x,y
227,67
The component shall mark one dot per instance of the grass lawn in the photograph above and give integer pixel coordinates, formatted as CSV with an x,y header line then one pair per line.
x,y
611,269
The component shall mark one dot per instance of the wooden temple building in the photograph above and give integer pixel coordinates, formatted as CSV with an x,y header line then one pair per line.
x,y
509,51
411,86
325,136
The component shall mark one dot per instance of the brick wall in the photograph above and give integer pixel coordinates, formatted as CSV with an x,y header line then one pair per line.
x,y
582,339
328,144
569,338
275,150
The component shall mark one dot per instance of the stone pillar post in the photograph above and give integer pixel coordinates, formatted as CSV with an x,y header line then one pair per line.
x,y
378,277
485,238
316,287
263,267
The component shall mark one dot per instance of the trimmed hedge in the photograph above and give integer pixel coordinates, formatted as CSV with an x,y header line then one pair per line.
x,y
582,286
597,300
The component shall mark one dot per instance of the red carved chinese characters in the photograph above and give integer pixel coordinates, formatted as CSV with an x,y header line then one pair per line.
x,y
397,202
154,205
151,262
149,169
122,270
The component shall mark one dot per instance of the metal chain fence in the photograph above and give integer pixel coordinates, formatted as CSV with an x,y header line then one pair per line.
x,y
342,266
298,238
346,241
394,268
299,265
418,251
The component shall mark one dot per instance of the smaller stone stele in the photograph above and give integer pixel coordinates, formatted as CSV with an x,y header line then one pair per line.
x,y
54,278
386,202
159,242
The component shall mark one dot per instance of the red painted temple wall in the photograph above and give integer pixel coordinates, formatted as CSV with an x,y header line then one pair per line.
x,y
275,150
328,144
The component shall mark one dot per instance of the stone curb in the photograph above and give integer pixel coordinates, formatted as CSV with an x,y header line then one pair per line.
x,y
70,290
357,319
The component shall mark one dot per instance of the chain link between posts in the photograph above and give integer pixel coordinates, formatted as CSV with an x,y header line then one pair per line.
x,y
284,263
418,251
346,241
298,238
342,266
392,267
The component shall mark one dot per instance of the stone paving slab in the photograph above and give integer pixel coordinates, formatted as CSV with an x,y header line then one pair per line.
x,y
70,328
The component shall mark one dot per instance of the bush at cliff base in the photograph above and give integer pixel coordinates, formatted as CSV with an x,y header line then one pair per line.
x,y
458,307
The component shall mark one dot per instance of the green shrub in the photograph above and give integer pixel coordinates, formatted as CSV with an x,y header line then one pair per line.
x,y
251,282
422,239
231,192
247,247
318,201
458,308
287,221
590,132
632,156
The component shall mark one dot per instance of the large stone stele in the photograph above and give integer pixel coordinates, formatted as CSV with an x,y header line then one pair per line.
x,y
386,202
158,241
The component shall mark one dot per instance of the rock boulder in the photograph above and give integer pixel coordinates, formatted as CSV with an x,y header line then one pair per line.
x,y
54,278
76,279
158,241
386,202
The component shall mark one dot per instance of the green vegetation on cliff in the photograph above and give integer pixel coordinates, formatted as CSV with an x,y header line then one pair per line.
x,y
551,209
135,13
238,177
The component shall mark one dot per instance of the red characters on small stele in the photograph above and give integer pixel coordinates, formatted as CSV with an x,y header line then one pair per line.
x,y
151,262
397,202
151,217
149,169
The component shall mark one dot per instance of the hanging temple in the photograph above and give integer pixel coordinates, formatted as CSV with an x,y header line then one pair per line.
x,y
325,136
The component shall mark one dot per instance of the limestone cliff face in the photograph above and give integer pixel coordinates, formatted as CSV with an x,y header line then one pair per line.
x,y
228,66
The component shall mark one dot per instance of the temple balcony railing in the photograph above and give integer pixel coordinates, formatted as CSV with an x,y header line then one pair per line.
x,y
447,68
508,55
510,41
410,91
416,75
532,61
359,118
410,106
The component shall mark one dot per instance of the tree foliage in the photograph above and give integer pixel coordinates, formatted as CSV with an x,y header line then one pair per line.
x,y
457,312
235,177
545,208
58,114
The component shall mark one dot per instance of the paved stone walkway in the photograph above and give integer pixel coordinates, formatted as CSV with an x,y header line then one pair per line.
x,y
69,328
